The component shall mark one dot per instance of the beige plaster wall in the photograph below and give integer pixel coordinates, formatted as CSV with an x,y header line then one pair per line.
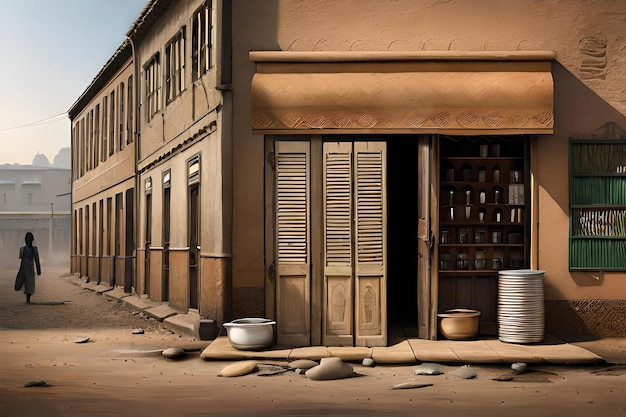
x,y
590,81
169,127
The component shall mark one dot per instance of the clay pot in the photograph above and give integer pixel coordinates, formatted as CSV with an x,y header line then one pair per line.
x,y
459,323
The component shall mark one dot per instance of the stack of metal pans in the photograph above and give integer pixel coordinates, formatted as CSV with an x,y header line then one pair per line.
x,y
521,308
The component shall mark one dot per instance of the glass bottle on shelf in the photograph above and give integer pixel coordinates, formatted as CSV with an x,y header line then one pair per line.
x,y
497,194
481,173
451,192
468,195
497,215
481,214
465,170
482,197
496,173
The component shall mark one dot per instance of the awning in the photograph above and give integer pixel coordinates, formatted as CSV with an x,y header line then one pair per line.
x,y
460,93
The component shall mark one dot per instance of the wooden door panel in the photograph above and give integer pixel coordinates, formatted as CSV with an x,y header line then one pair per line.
x,y
292,223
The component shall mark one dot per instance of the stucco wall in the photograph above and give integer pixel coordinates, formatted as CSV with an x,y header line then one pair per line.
x,y
590,83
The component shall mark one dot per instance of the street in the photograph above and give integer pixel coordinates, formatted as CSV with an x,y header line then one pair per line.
x,y
94,361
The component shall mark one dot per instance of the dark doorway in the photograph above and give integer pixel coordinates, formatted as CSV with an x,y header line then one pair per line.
x,y
165,290
402,234
148,238
194,244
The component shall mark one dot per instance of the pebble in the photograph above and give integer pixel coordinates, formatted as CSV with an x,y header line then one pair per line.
x,y
138,331
239,369
410,385
302,364
428,369
519,367
81,339
368,362
35,384
330,368
465,372
173,353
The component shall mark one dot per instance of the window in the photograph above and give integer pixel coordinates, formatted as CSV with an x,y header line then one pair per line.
x,y
175,66
122,131
202,38
597,194
105,127
97,133
152,87
129,124
112,123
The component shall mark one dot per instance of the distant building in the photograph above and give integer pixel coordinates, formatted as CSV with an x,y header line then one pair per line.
x,y
35,199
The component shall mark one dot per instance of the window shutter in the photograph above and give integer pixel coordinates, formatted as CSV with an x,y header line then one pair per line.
x,y
370,250
292,221
338,243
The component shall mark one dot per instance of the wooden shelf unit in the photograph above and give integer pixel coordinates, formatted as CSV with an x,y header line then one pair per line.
x,y
480,235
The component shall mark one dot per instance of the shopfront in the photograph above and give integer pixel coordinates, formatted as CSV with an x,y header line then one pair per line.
x,y
397,185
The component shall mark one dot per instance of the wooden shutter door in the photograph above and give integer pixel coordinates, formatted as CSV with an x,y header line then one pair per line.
x,y
370,249
338,264
292,222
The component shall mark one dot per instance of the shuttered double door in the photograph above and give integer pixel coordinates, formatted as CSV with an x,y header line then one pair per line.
x,y
345,187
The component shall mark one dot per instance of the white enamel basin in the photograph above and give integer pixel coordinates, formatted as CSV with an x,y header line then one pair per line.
x,y
251,333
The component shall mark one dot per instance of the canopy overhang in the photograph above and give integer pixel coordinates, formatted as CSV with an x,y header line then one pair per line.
x,y
467,93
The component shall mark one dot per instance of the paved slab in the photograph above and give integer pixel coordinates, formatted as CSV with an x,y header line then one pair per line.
x,y
417,350
161,312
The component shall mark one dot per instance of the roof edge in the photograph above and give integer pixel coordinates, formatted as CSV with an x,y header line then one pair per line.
x,y
361,56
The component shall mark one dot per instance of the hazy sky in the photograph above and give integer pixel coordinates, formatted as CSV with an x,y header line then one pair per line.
x,y
50,51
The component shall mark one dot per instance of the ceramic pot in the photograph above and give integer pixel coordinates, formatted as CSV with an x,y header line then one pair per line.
x,y
250,333
459,324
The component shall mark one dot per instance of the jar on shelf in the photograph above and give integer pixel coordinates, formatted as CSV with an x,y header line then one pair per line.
x,y
445,237
497,215
463,235
462,261
480,260
444,261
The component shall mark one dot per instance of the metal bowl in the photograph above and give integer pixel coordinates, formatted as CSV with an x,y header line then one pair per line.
x,y
250,333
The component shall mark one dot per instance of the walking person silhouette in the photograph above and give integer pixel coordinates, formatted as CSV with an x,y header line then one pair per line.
x,y
29,264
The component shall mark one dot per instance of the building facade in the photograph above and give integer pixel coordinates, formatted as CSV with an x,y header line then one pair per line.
x,y
35,199
359,166
103,175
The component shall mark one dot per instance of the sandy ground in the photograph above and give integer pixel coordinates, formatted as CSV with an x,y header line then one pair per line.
x,y
118,372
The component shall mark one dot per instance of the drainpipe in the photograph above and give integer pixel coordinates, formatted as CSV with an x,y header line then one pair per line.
x,y
136,137
225,117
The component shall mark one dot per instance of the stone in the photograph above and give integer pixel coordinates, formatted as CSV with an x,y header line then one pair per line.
x,y
35,384
81,339
428,369
302,364
465,372
238,369
368,362
330,368
410,385
138,331
173,353
519,367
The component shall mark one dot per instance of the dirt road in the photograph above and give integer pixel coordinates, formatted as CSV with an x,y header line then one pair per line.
x,y
117,372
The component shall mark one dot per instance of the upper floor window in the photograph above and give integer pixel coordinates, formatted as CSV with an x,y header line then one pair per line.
x,y
121,119
112,123
202,39
105,127
175,66
130,114
152,86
